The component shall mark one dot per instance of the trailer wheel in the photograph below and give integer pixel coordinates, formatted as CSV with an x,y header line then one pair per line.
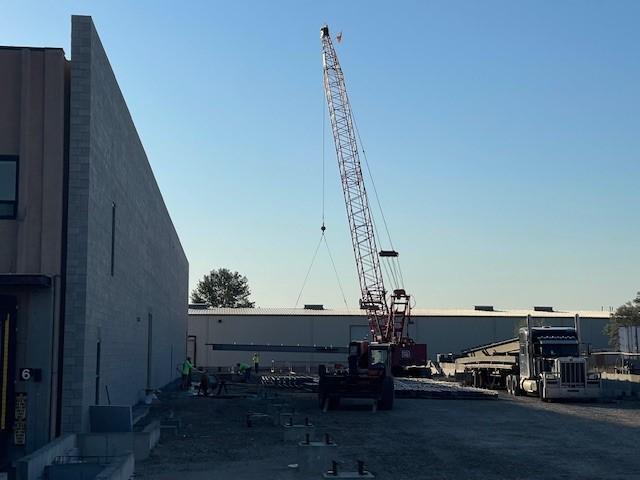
x,y
386,400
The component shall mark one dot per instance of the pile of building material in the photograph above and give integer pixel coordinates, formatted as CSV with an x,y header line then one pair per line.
x,y
404,387
290,382
429,388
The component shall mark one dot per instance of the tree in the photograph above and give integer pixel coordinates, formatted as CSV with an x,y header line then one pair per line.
x,y
625,315
223,288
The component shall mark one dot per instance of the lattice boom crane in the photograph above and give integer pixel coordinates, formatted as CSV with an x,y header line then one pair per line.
x,y
388,318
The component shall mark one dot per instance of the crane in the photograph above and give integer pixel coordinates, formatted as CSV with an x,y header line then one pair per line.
x,y
388,318
391,351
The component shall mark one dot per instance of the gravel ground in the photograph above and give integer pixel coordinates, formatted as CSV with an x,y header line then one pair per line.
x,y
508,438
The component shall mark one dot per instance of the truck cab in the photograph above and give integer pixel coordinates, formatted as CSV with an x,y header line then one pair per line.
x,y
551,365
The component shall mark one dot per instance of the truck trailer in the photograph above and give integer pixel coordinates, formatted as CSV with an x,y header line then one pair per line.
x,y
544,361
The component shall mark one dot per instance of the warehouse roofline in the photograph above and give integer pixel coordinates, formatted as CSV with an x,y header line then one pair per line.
x,y
416,312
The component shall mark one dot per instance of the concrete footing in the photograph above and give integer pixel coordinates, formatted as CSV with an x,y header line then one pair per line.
x,y
298,433
314,457
348,475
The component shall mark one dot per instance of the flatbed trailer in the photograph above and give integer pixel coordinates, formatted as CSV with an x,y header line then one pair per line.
x,y
487,366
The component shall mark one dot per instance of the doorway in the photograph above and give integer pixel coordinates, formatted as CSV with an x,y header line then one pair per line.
x,y
7,373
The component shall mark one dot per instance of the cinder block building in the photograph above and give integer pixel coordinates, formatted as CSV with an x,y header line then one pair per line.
x,y
93,278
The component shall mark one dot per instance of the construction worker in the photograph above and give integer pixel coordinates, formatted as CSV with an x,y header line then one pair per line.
x,y
187,367
244,370
256,362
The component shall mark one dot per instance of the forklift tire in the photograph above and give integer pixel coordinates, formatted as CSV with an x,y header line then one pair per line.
x,y
322,397
386,400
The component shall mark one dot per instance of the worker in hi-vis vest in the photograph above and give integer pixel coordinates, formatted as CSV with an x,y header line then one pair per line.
x,y
244,370
187,367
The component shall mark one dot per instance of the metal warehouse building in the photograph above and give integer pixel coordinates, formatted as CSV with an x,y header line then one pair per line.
x,y
443,330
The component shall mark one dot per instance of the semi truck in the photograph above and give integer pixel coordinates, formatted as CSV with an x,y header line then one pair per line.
x,y
544,361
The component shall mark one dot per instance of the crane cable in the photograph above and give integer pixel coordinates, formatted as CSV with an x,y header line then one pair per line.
x,y
323,228
313,259
395,263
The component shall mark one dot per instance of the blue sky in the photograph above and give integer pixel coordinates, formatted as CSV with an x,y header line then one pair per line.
x,y
504,138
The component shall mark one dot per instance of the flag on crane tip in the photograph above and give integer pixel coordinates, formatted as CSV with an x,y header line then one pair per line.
x,y
339,37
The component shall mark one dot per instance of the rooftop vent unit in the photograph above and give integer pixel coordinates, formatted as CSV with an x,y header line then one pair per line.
x,y
542,309
483,308
314,307
199,306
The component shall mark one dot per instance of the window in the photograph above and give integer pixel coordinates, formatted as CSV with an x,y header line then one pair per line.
x,y
97,396
8,186
113,235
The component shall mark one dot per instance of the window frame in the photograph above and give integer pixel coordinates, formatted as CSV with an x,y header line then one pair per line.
x,y
14,202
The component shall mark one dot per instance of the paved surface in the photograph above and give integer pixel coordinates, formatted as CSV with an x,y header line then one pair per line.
x,y
508,438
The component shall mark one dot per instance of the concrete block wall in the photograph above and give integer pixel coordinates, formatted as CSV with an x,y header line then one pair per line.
x,y
146,295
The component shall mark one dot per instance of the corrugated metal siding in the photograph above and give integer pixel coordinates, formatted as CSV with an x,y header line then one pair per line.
x,y
443,330
416,312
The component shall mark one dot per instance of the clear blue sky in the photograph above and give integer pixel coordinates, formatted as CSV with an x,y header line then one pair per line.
x,y
504,138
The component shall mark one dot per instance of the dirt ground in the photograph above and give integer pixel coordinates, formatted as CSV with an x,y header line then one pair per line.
x,y
507,438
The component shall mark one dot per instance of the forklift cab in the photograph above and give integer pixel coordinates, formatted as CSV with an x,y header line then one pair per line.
x,y
380,358
358,356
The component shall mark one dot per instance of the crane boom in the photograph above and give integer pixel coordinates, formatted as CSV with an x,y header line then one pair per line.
x,y
372,291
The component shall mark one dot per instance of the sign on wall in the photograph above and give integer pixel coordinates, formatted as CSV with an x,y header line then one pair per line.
x,y
28,374
20,423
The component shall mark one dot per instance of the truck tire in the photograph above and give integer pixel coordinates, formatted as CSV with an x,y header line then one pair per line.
x,y
516,386
386,399
541,392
